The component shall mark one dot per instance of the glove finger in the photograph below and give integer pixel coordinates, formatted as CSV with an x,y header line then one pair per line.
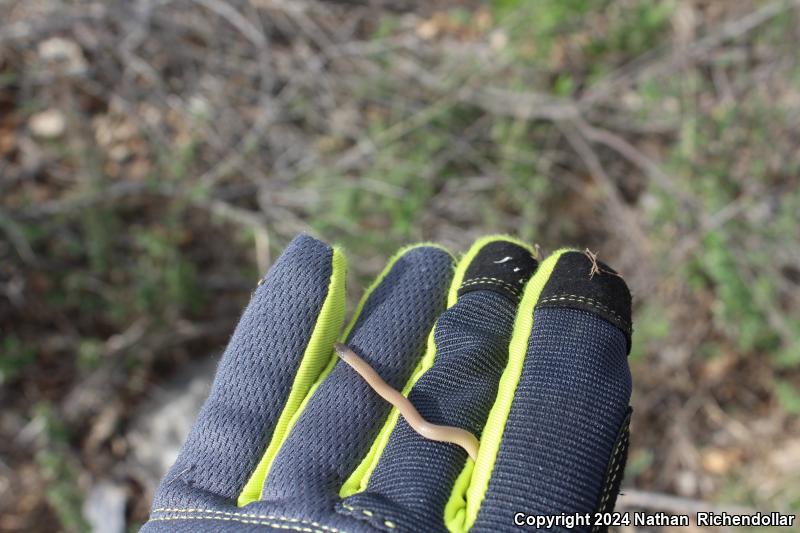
x,y
556,439
343,415
413,478
278,349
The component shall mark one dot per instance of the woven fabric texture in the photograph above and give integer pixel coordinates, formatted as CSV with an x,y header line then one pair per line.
x,y
253,378
571,399
343,417
212,524
414,476
569,404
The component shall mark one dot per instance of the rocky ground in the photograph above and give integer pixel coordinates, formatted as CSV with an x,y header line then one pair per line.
x,y
155,157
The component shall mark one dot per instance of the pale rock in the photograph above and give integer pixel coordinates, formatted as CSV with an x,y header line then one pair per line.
x,y
64,52
104,508
48,124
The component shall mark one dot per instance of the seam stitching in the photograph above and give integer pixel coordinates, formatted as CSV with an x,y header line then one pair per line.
x,y
490,278
610,481
491,281
241,520
582,299
246,515
369,515
575,297
505,287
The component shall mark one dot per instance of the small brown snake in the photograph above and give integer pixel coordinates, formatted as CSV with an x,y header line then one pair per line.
x,y
453,435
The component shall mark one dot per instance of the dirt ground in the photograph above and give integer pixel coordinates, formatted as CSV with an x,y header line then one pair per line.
x,y
155,156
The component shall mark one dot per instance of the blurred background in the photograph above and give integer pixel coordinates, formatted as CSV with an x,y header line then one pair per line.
x,y
156,155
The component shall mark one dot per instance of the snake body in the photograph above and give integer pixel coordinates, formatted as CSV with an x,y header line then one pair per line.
x,y
437,432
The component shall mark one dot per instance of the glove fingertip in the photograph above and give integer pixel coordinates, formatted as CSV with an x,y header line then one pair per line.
x,y
580,281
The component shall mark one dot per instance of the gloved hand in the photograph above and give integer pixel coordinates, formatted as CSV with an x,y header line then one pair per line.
x,y
530,357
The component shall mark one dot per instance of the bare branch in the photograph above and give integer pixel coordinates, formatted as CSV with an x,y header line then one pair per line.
x,y
682,56
633,499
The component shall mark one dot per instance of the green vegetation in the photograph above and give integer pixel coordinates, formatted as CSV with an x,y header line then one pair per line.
x,y
131,237
15,356
58,471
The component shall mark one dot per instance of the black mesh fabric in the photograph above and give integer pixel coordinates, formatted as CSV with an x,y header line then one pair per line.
x,y
254,377
337,427
414,477
579,281
571,399
570,403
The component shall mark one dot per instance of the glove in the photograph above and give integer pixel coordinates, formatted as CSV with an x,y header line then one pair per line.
x,y
529,357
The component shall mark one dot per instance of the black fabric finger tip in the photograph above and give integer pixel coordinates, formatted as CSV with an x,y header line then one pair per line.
x,y
580,281
502,267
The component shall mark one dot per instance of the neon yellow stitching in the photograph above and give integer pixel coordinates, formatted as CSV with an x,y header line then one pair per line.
x,y
495,281
233,519
370,514
575,297
611,477
246,515
489,278
616,463
583,299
